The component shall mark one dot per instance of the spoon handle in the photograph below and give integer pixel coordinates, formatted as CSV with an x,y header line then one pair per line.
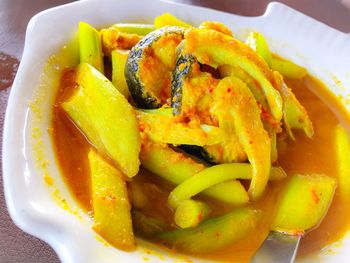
x,y
277,248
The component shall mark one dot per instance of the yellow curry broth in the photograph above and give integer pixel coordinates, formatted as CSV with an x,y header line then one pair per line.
x,y
302,156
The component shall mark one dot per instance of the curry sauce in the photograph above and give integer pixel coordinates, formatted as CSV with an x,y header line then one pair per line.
x,y
304,155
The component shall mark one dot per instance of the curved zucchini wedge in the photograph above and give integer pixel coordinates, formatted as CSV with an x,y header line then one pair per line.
x,y
110,201
149,66
94,105
215,49
90,48
133,28
304,202
233,94
214,233
294,114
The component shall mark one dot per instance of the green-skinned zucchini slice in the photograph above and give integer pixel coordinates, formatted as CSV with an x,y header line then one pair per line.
x,y
149,67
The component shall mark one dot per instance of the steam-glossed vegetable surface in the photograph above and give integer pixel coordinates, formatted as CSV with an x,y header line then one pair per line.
x,y
196,140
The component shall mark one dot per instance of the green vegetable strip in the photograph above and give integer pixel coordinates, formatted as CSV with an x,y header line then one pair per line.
x,y
90,46
221,49
294,114
112,218
342,145
176,168
258,43
287,68
94,106
213,234
131,28
190,213
244,113
118,67
212,176
304,202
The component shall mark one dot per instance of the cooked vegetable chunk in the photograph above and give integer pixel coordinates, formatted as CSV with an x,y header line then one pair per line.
x,y
213,234
287,68
294,114
106,118
190,213
112,218
168,19
213,176
216,49
303,203
258,43
236,103
119,58
133,28
90,46
342,147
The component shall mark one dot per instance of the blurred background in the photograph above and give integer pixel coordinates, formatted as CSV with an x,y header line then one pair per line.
x,y
15,245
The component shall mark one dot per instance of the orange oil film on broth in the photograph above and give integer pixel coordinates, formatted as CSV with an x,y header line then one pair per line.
x,y
304,155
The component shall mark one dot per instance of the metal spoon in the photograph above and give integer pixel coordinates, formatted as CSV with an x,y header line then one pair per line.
x,y
277,248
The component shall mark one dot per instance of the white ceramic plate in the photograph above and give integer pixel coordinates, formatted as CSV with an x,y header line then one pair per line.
x,y
49,212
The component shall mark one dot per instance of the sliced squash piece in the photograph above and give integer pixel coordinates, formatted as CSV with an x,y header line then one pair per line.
x,y
287,68
342,147
213,234
90,46
215,49
294,114
110,202
135,28
119,58
95,105
303,203
236,104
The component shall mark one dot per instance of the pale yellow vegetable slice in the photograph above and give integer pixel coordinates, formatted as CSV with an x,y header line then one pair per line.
x,y
215,49
342,147
106,118
119,58
90,46
214,233
304,202
294,114
235,102
112,218
287,68
190,213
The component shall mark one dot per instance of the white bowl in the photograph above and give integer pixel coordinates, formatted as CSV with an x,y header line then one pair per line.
x,y
48,211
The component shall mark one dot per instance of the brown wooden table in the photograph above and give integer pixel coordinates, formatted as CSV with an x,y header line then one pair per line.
x,y
15,245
